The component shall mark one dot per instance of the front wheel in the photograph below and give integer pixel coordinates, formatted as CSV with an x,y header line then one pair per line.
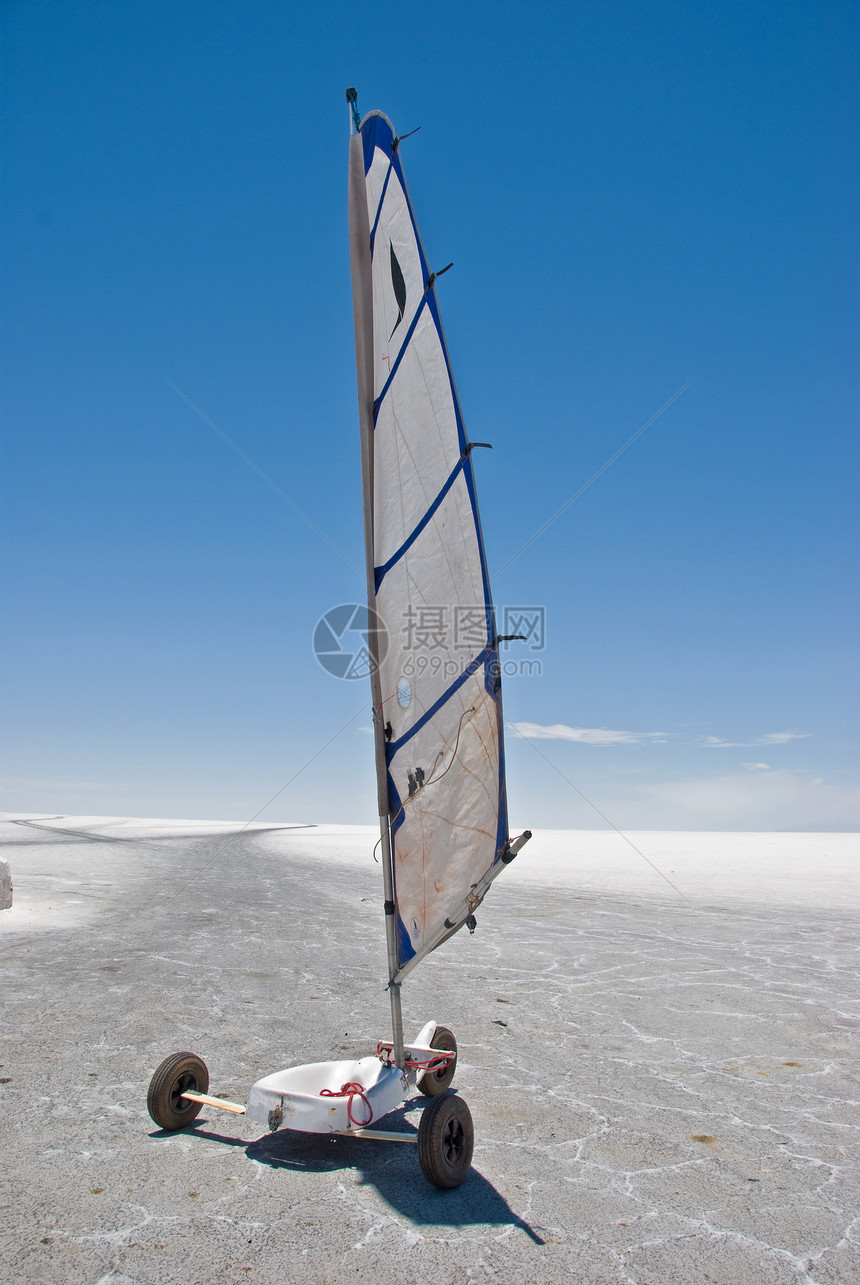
x,y
446,1139
177,1074
434,1083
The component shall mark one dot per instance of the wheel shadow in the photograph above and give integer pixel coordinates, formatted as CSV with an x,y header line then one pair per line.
x,y
392,1168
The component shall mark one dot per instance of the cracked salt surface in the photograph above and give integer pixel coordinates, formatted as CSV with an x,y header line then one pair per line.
x,y
663,1094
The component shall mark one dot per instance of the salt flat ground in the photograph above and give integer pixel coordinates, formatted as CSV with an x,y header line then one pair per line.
x,y
664,1090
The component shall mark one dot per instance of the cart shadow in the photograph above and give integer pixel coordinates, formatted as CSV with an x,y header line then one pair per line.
x,y
394,1171
392,1168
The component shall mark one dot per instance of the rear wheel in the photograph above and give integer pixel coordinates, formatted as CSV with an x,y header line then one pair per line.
x,y
432,1083
177,1073
446,1139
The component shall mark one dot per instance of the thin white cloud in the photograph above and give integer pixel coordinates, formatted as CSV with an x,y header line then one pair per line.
x,y
751,801
756,767
586,735
769,738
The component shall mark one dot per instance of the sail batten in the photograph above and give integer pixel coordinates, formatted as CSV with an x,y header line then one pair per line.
x,y
395,368
379,572
436,686
471,669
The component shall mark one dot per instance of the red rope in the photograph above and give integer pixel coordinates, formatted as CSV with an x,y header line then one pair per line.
x,y
351,1091
444,1056
435,1063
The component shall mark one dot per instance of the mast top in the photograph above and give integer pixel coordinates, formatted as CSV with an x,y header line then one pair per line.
x,y
355,118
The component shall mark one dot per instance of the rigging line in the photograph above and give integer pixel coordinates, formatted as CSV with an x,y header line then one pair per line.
x,y
433,779
261,474
469,672
251,820
621,833
602,469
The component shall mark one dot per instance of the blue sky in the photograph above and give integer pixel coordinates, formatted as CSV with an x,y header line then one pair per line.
x,y
633,195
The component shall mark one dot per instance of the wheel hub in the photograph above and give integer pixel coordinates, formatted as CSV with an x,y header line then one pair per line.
x,y
185,1083
453,1141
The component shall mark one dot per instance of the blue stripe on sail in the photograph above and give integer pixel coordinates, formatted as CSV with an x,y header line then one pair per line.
x,y
492,680
376,132
433,304
409,333
396,805
405,949
469,474
379,207
502,833
380,572
471,669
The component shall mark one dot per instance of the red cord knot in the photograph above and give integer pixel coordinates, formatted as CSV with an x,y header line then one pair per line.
x,y
351,1091
438,1062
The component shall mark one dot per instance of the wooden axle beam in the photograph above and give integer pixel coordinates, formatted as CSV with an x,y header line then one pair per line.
x,y
209,1101
378,1135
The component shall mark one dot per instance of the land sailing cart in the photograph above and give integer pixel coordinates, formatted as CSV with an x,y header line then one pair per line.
x,y
433,658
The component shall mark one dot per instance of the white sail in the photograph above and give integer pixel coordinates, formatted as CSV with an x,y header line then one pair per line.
x,y
437,703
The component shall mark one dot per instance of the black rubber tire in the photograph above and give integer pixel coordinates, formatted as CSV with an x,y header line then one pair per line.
x,y
446,1139
434,1083
177,1073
